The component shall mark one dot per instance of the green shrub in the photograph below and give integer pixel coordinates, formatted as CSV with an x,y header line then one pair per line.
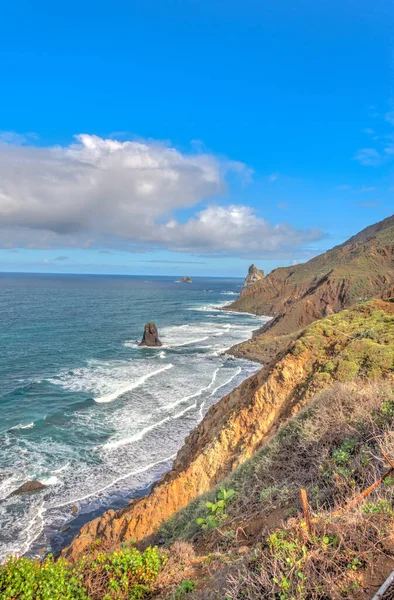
x,y
25,579
216,510
185,587
127,572
122,574
346,370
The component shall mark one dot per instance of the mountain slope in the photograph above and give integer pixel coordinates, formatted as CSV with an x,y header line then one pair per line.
x,y
361,268
357,342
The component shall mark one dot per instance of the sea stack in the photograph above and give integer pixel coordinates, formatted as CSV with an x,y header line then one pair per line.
x,y
254,275
186,279
151,336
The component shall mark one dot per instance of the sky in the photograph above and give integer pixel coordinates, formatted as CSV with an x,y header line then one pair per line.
x,y
191,137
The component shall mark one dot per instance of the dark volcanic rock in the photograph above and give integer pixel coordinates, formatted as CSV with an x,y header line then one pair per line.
x,y
29,486
151,336
186,279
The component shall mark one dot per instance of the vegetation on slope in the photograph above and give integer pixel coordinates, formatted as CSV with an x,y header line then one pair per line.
x,y
122,574
333,448
250,540
242,422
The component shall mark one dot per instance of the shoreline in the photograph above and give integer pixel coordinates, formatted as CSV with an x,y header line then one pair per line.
x,y
71,529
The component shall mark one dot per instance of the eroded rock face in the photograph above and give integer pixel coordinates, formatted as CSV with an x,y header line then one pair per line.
x,y
361,268
231,432
254,275
29,486
151,336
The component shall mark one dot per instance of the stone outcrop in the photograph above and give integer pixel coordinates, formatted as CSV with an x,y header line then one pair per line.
x,y
186,279
254,275
29,486
361,268
234,428
151,336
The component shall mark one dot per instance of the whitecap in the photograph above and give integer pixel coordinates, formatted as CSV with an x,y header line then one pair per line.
x,y
50,480
20,426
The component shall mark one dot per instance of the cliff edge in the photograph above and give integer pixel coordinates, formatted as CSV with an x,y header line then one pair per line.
x,y
335,348
361,268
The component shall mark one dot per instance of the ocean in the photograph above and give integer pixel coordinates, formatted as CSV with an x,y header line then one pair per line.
x,y
86,411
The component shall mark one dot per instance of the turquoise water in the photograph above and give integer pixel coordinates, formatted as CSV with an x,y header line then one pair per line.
x,y
86,411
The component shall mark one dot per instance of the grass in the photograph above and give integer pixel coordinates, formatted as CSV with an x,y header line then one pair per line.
x,y
333,449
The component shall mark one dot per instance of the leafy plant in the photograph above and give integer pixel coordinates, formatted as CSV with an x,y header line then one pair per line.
x,y
123,574
187,586
25,579
216,510
127,572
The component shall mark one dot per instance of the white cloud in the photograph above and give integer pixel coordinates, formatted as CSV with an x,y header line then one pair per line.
x,y
369,157
125,195
367,188
273,177
233,230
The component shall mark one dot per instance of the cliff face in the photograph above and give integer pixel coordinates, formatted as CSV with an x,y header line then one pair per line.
x,y
254,275
242,421
362,267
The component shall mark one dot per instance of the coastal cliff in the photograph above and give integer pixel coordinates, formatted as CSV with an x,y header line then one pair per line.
x,y
239,424
361,268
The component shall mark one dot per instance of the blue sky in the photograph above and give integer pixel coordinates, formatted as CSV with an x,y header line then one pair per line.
x,y
254,131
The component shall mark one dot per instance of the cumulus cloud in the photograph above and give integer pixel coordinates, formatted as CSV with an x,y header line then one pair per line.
x,y
232,230
125,195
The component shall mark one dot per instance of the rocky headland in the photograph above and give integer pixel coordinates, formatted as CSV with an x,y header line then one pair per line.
x,y
254,275
244,420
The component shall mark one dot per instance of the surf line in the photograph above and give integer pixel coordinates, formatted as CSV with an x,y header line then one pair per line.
x,y
131,386
106,487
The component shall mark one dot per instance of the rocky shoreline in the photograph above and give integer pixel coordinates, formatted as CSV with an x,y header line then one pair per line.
x,y
140,517
240,423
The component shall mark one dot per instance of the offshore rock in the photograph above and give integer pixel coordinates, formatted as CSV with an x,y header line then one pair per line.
x,y
186,279
151,336
29,486
254,275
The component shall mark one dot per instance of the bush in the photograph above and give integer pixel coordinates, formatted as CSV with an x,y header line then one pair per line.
x,y
25,579
119,575
125,573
